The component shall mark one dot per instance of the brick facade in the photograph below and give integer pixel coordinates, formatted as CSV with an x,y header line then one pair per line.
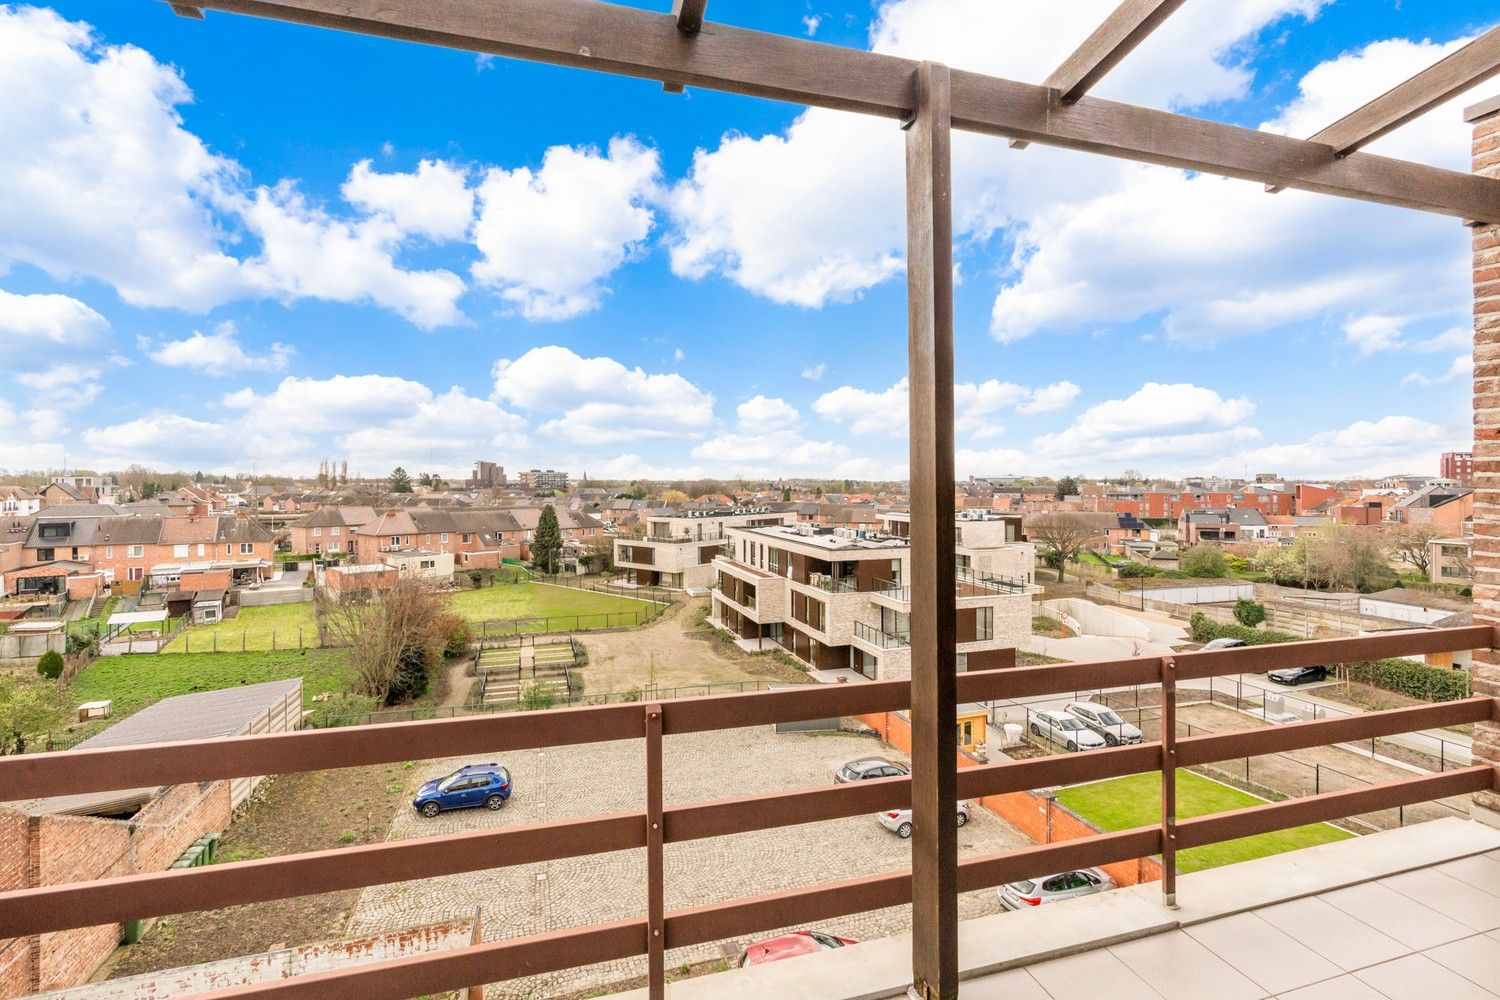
x,y
1486,667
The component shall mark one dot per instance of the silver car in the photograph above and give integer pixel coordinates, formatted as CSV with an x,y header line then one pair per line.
x,y
1064,730
1054,888
898,821
1106,722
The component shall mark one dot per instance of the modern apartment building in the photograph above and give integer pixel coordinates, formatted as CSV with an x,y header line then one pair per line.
x,y
678,549
1458,466
544,480
840,598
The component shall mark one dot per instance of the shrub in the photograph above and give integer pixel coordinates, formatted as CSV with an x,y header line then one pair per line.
x,y
1249,613
1205,629
1416,680
50,665
455,633
476,577
1132,570
1205,562
535,696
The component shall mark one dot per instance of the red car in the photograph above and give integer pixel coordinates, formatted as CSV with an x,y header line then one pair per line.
x,y
790,946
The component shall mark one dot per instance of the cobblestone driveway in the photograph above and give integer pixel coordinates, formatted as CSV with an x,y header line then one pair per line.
x,y
569,782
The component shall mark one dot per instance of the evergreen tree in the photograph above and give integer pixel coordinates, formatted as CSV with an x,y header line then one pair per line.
x,y
400,481
546,545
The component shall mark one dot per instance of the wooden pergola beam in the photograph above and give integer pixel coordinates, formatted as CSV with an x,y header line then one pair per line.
x,y
689,15
1442,81
631,42
1130,25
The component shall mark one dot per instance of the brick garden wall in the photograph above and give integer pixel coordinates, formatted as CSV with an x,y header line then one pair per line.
x,y
1025,811
1486,665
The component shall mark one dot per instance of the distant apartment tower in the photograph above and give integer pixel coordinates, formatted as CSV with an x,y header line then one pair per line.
x,y
1458,466
544,480
487,475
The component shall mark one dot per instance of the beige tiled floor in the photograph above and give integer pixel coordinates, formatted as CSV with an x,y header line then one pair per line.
x,y
1432,934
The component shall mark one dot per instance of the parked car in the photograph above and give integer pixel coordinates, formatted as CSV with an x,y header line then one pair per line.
x,y
1292,676
869,767
1054,888
898,821
1106,722
469,787
1064,730
791,946
1228,642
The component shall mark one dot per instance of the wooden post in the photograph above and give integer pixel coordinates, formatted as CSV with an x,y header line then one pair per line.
x,y
929,269
1169,781
656,963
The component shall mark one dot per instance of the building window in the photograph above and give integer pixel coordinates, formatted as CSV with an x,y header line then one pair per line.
x,y
334,531
428,563
136,573
179,551
443,538
333,546
136,551
109,551
465,537
247,548
773,561
201,548
44,555
984,624
317,532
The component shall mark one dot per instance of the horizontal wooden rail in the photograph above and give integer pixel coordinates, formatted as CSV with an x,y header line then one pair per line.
x,y
534,955
70,772
52,908
1284,815
1338,729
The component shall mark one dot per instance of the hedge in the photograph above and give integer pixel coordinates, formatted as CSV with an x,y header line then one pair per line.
x,y
1205,629
1416,680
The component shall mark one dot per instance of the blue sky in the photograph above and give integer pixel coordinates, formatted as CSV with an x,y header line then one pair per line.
x,y
236,244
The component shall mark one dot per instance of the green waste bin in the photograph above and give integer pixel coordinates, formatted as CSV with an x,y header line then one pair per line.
x,y
133,931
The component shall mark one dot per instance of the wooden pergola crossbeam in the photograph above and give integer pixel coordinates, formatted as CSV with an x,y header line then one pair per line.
x,y
641,43
689,15
1442,81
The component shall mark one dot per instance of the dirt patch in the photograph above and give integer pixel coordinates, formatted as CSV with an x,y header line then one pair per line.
x,y
1300,773
679,649
1374,699
1050,627
290,814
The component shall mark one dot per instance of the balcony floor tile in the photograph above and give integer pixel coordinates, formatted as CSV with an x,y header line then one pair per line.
x,y
1271,959
1420,976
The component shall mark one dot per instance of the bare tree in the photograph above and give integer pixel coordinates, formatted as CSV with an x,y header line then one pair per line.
x,y
392,635
1063,535
1410,544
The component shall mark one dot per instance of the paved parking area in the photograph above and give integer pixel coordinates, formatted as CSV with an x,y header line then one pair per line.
x,y
568,782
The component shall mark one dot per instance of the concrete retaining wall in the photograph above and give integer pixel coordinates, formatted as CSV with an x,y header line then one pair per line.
x,y
1087,618
284,595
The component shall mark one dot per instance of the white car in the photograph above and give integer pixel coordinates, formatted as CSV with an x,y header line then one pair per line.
x,y
898,821
1064,730
1106,722
1054,888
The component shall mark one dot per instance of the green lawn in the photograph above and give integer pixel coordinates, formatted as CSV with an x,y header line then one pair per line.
x,y
133,682
544,601
252,629
1125,803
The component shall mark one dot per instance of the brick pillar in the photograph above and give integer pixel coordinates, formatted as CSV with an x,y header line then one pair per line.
x,y
1485,118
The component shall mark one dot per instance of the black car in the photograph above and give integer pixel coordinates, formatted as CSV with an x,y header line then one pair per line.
x,y
869,767
1292,676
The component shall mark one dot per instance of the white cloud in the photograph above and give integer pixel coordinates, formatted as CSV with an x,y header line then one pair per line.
x,y
1181,423
1372,334
434,202
550,237
1462,367
99,179
58,320
811,23
815,214
760,412
633,466
63,386
1216,257
975,406
307,252
219,353
1365,447
815,372
769,442
678,354
601,401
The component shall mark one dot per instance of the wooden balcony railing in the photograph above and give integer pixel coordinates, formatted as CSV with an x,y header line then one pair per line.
x,y
60,907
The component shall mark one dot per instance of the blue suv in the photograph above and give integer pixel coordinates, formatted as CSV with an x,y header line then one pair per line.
x,y
474,785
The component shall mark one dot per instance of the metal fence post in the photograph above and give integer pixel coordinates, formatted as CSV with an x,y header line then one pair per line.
x,y
1169,781
656,965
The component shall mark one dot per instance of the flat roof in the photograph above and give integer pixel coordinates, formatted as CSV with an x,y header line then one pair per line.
x,y
137,617
829,539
